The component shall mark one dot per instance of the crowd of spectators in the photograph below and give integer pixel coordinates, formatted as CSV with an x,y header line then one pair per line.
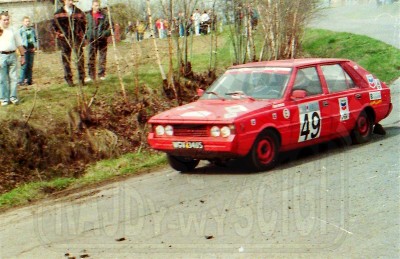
x,y
198,23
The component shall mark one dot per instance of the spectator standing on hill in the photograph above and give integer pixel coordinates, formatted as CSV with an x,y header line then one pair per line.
x,y
141,28
166,27
10,41
196,22
29,41
98,30
181,23
160,28
129,31
204,20
70,24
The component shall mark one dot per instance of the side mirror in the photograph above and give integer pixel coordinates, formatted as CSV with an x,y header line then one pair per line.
x,y
298,94
200,92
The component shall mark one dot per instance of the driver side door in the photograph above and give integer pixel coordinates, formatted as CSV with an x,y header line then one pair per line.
x,y
311,118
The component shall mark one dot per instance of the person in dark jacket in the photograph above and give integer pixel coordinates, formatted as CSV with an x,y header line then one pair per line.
x,y
70,25
97,33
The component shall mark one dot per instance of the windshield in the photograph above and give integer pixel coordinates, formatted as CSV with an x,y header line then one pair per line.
x,y
253,83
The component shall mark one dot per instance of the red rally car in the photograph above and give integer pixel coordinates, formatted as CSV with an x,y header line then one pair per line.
x,y
256,110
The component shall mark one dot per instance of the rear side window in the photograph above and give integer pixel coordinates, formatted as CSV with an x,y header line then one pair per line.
x,y
336,78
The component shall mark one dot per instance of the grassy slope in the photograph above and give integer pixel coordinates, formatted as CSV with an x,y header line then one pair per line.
x,y
379,58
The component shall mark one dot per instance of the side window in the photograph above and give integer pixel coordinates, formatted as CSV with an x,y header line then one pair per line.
x,y
307,79
336,78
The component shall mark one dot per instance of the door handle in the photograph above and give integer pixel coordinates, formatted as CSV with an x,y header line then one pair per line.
x,y
358,96
325,103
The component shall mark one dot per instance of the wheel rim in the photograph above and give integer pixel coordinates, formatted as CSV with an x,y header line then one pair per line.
x,y
265,151
363,126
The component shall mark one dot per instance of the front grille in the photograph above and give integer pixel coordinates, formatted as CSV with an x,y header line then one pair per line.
x,y
190,130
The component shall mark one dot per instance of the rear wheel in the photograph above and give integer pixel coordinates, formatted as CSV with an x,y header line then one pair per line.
x,y
362,131
264,152
182,164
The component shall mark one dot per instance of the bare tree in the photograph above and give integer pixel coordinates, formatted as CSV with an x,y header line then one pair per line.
x,y
116,57
283,22
149,14
187,6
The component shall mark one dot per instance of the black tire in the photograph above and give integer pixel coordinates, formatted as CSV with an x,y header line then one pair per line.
x,y
362,131
182,164
264,152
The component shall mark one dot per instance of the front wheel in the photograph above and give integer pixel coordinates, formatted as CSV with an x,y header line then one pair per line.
x,y
362,131
264,152
182,164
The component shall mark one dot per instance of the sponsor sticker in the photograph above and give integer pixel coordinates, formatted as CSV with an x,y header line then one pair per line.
x,y
232,111
371,80
378,84
236,109
344,108
375,95
200,114
230,115
278,105
375,102
286,113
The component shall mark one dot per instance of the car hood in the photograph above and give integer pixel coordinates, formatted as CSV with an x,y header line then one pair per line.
x,y
211,111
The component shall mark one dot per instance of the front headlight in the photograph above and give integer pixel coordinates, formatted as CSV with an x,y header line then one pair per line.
x,y
169,130
215,131
225,131
160,130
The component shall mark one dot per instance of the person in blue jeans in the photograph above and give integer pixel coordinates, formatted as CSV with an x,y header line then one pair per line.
x,y
10,41
29,41
97,32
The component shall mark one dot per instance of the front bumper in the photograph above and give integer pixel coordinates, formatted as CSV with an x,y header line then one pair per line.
x,y
211,147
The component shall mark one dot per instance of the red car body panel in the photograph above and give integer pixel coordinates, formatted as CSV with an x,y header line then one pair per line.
x,y
298,122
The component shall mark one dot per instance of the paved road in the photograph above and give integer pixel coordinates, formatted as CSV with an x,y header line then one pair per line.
x,y
382,23
342,202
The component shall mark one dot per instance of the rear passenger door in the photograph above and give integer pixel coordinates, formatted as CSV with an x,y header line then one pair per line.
x,y
344,99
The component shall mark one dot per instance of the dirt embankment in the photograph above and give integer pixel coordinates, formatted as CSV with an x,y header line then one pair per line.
x,y
29,153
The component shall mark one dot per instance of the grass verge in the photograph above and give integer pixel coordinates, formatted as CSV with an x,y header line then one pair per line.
x,y
128,164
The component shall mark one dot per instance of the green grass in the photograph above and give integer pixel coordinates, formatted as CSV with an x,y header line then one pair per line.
x,y
33,191
126,164
379,58
54,102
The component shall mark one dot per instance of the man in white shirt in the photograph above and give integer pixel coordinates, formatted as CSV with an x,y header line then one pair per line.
x,y
196,21
9,42
204,19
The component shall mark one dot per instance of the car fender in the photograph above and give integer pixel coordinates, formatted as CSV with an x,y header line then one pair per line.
x,y
370,112
247,137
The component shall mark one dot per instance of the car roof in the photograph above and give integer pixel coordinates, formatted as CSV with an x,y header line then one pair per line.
x,y
291,62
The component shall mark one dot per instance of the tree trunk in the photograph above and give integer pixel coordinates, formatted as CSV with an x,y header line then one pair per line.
x,y
115,57
163,76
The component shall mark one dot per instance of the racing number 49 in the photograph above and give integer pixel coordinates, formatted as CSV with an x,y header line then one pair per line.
x,y
310,126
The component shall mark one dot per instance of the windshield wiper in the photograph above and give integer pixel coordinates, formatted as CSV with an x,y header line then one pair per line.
x,y
214,93
240,94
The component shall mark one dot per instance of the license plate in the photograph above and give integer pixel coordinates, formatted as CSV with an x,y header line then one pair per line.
x,y
187,145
